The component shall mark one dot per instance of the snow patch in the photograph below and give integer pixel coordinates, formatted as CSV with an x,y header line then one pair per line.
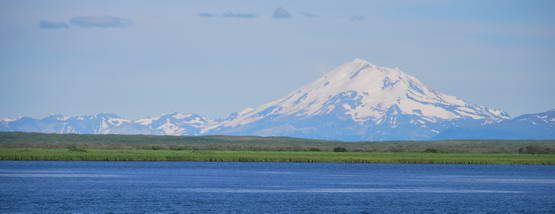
x,y
146,121
171,129
180,116
410,107
117,121
61,117
246,111
8,119
473,116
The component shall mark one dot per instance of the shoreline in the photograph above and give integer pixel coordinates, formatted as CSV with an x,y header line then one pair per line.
x,y
34,154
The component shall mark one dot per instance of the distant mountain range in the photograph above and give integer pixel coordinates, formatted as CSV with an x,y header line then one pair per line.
x,y
354,102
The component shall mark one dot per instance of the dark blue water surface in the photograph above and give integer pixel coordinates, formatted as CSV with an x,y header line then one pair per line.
x,y
200,187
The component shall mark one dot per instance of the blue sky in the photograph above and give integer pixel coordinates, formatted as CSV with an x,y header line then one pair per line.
x,y
144,58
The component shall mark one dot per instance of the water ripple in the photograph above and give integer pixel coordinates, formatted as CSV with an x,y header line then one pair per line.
x,y
56,175
342,190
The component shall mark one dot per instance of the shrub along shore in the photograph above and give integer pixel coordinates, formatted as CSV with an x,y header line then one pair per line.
x,y
271,156
72,147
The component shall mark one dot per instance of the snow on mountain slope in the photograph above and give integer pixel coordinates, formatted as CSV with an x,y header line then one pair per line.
x,y
539,126
93,124
175,124
356,101
531,126
365,94
544,118
166,124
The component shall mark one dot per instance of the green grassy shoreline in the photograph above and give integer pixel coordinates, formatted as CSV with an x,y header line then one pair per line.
x,y
82,147
252,143
32,154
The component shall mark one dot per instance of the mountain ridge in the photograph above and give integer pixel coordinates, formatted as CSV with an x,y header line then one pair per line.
x,y
362,101
355,101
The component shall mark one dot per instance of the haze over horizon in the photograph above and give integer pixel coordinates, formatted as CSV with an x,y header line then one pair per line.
x,y
138,58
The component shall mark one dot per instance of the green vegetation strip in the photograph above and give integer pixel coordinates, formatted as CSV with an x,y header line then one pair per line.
x,y
250,143
271,156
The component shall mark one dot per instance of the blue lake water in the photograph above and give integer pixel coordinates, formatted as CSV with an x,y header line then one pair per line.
x,y
201,187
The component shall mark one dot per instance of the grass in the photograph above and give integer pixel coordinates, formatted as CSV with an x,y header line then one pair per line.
x,y
73,147
271,156
250,143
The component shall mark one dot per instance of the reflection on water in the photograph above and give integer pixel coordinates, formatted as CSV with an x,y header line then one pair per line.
x,y
58,175
341,190
199,187
513,180
276,172
482,179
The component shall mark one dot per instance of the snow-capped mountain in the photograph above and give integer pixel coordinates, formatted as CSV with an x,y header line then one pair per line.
x,y
528,126
93,124
360,101
175,124
166,124
532,126
543,119
356,101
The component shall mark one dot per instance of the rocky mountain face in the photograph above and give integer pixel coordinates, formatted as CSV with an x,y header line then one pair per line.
x,y
356,101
